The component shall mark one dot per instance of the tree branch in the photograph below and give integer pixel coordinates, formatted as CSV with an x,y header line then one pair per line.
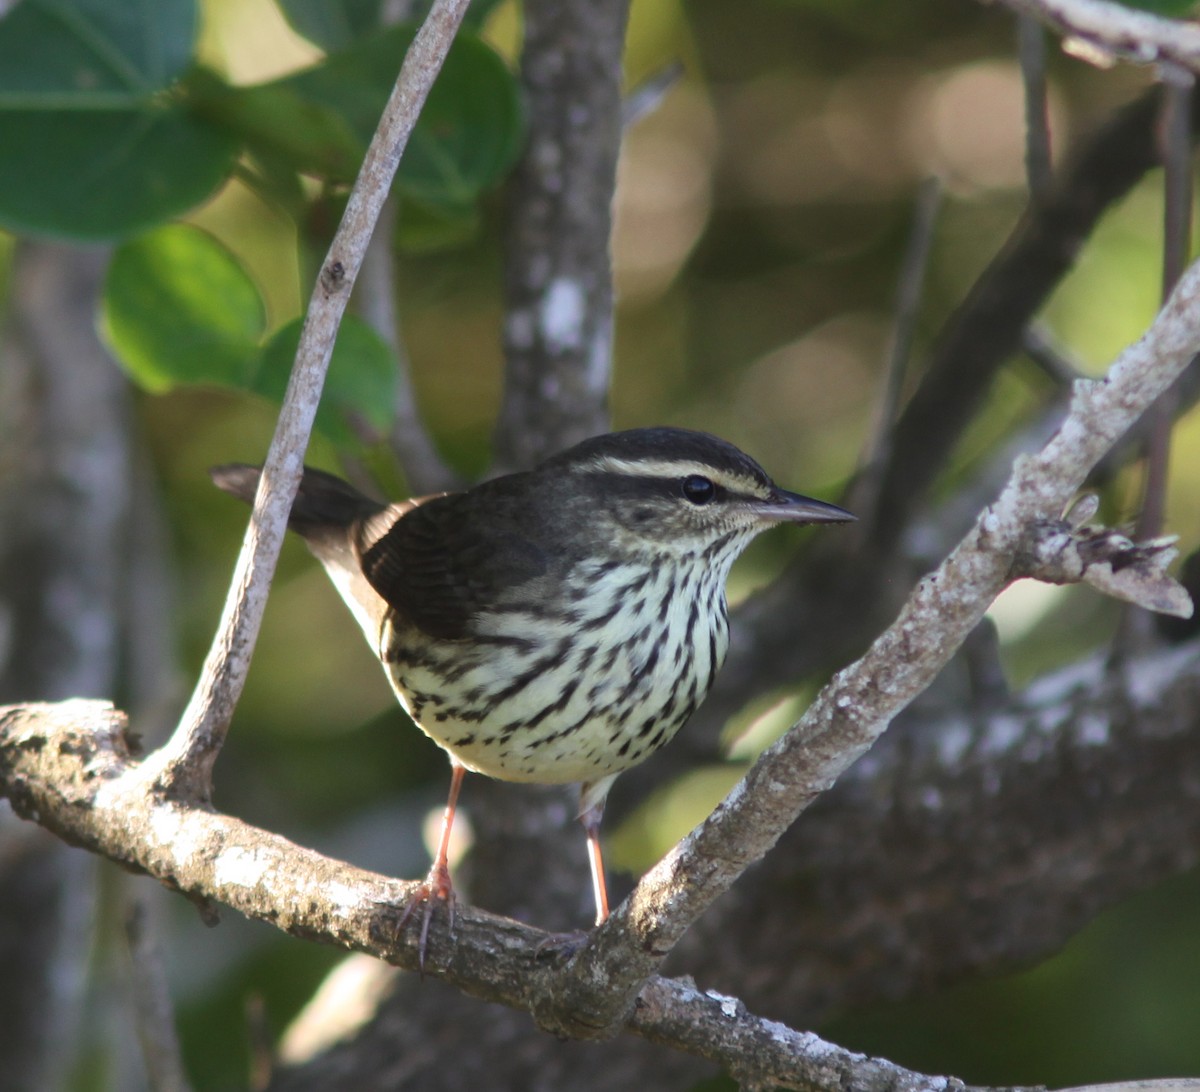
x,y
852,593
1102,730
860,701
185,764
558,279
1114,31
982,838
69,766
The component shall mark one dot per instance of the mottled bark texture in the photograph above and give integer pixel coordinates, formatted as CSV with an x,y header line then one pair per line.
x,y
64,503
558,277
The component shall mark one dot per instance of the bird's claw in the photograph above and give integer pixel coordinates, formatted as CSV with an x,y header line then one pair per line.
x,y
436,886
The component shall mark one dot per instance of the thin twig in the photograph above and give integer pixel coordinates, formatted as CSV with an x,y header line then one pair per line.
x,y
424,470
648,95
154,1013
908,299
1178,85
1039,345
184,765
1102,32
1031,49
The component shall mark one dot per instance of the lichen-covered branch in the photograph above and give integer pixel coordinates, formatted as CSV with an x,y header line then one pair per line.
x,y
69,766
1102,31
849,590
861,700
1044,809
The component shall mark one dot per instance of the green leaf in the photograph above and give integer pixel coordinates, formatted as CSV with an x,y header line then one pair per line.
x,y
96,148
471,130
332,24
88,175
178,308
92,54
335,24
281,125
422,229
1169,8
468,135
361,379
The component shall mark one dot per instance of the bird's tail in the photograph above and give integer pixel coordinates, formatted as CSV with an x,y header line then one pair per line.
x,y
322,502
337,522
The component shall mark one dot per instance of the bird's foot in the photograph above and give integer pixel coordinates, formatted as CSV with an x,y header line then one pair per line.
x,y
436,886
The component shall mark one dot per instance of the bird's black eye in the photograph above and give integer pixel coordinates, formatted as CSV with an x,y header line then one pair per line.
x,y
698,489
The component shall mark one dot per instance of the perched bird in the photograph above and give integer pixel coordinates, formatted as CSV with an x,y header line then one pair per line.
x,y
557,625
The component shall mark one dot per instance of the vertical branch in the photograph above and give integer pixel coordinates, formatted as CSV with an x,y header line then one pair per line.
x,y
154,1013
64,511
865,493
423,469
558,280
184,765
1176,136
1031,49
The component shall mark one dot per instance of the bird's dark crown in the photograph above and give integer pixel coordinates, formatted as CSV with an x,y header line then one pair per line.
x,y
663,452
673,488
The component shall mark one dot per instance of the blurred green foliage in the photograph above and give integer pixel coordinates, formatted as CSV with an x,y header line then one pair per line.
x,y
761,216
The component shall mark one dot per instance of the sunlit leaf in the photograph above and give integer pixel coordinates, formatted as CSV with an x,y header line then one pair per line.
x,y
103,151
468,135
180,309
87,54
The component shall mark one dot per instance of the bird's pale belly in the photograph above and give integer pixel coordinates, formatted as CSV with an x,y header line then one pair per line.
x,y
567,708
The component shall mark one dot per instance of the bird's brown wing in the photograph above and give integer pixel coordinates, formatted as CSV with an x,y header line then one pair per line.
x,y
443,562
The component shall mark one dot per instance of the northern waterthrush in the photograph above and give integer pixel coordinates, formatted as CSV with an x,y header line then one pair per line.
x,y
558,625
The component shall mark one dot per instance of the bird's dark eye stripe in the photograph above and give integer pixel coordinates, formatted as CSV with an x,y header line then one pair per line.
x,y
636,486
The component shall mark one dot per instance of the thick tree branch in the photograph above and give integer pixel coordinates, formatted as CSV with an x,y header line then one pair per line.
x,y
69,766
981,839
860,701
920,812
185,764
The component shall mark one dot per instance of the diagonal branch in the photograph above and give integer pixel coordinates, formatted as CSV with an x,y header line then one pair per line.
x,y
69,765
970,841
861,700
184,765
774,640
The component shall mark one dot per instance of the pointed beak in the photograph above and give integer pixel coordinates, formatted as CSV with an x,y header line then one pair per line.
x,y
784,507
